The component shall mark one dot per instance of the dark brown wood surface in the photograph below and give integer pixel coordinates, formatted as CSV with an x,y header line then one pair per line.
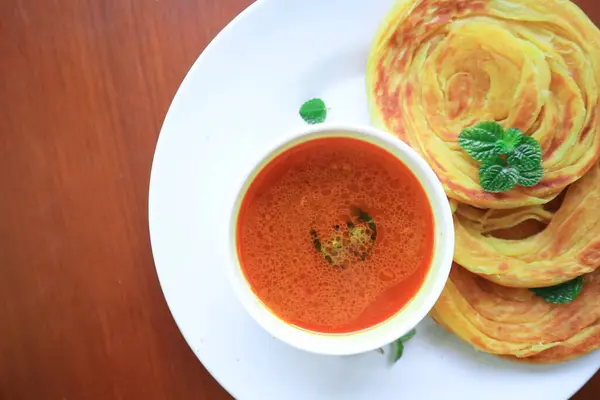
x,y
84,87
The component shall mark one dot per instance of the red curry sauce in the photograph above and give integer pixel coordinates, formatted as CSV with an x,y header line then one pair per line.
x,y
335,235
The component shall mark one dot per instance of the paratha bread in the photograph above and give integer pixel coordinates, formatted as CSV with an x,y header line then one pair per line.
x,y
516,323
438,66
569,245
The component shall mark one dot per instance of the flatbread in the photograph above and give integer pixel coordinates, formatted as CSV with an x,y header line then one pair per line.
x,y
514,322
438,66
568,247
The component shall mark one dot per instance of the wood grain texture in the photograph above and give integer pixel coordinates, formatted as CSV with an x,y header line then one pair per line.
x,y
84,87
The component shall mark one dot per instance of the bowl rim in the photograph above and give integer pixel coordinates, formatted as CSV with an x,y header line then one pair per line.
x,y
406,318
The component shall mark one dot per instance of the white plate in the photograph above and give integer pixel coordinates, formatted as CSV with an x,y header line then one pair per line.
x,y
242,95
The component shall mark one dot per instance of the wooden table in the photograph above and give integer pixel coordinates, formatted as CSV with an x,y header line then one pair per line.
x,y
84,87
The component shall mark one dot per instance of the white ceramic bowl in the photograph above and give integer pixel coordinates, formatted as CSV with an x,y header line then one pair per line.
x,y
409,316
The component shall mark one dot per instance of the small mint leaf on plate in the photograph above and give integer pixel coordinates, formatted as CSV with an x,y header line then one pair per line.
x,y
562,293
479,141
398,350
398,345
496,176
408,336
313,111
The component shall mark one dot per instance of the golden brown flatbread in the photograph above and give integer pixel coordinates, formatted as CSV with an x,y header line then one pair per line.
x,y
514,322
438,66
568,247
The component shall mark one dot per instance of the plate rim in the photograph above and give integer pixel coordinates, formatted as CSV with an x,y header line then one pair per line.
x,y
212,44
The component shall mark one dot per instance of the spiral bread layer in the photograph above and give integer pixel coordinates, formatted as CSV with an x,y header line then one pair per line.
x,y
439,66
514,322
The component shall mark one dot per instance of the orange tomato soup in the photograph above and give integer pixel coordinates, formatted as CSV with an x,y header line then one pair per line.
x,y
335,235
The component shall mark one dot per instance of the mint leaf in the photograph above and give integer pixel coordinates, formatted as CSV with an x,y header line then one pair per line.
x,y
527,156
530,178
313,111
562,293
479,141
399,344
398,350
507,157
531,141
496,176
511,138
408,336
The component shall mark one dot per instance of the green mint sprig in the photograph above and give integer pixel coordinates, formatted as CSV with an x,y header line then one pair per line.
x,y
562,293
313,111
398,345
508,158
